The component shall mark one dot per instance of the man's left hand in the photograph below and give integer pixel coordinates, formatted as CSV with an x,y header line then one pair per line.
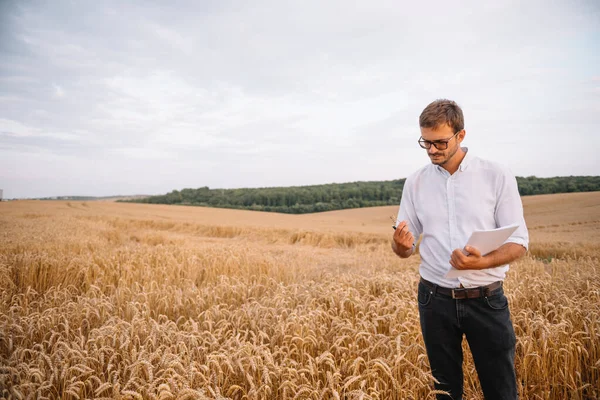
x,y
472,260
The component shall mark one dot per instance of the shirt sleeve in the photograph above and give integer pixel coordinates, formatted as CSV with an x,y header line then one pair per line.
x,y
407,211
509,209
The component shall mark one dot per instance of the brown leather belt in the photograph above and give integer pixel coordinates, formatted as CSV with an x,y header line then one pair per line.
x,y
464,293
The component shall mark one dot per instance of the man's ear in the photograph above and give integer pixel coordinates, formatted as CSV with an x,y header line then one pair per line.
x,y
461,135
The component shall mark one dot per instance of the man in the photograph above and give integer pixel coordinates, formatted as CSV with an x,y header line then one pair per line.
x,y
446,201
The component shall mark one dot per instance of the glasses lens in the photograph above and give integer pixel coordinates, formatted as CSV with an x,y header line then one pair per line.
x,y
441,145
424,143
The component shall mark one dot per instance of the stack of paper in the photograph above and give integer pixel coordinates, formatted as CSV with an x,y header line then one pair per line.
x,y
485,242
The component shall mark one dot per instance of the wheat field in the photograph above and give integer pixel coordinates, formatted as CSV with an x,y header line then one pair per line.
x,y
130,301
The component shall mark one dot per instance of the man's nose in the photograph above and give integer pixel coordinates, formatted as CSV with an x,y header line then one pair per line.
x,y
431,149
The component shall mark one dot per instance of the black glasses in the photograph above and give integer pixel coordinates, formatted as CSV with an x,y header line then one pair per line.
x,y
438,144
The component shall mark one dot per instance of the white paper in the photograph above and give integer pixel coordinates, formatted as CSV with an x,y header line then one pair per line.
x,y
485,242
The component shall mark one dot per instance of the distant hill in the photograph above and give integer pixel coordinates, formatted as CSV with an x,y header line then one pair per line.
x,y
339,196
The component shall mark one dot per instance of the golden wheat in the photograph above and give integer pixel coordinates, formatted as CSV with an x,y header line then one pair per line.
x,y
106,300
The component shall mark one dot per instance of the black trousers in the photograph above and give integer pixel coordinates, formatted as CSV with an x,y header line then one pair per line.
x,y
486,323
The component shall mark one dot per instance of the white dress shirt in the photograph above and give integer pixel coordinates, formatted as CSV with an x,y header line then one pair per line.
x,y
446,209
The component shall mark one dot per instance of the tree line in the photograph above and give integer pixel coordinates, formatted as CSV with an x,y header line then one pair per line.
x,y
338,196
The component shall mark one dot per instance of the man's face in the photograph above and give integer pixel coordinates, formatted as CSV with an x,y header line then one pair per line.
x,y
443,133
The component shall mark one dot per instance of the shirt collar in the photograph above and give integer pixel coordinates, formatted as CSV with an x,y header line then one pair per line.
x,y
463,164
466,160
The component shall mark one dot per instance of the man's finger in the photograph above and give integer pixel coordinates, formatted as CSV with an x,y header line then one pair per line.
x,y
456,258
398,233
400,229
474,251
459,255
456,263
407,238
406,230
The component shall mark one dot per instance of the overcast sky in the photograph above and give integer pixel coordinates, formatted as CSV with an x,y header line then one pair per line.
x,y
143,97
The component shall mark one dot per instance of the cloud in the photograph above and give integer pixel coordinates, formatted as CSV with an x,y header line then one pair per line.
x,y
58,91
144,153
15,128
283,93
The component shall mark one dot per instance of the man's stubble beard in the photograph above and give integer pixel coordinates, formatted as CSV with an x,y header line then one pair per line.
x,y
447,158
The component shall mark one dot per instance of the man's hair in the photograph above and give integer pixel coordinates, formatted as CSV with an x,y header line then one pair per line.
x,y
440,112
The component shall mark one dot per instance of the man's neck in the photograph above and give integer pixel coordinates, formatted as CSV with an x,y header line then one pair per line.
x,y
452,165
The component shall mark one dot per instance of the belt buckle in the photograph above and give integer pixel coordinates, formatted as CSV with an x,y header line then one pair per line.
x,y
458,290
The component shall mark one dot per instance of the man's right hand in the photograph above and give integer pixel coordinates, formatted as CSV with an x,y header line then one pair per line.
x,y
403,240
